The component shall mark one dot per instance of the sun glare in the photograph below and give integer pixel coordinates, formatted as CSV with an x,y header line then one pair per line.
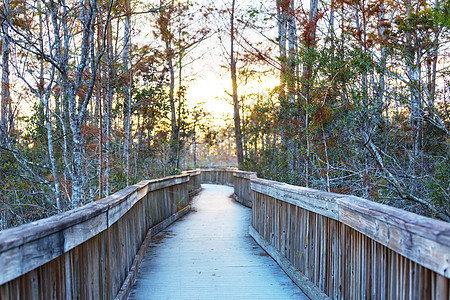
x,y
214,93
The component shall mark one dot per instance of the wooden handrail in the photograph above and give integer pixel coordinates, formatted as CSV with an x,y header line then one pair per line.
x,y
346,247
218,175
331,245
88,252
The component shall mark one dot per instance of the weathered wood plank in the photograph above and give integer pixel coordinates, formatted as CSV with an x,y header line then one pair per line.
x,y
23,234
244,174
157,184
432,229
304,283
218,175
79,233
122,206
20,260
244,202
242,187
424,251
322,203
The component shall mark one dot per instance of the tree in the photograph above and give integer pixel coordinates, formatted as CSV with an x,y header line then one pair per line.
x,y
6,120
237,119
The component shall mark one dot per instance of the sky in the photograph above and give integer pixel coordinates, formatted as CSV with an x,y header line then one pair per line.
x,y
208,77
212,78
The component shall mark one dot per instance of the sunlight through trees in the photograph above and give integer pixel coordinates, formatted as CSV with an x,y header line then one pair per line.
x,y
95,96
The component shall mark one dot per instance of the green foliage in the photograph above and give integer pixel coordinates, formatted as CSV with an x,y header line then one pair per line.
x,y
440,183
350,118
441,14
152,104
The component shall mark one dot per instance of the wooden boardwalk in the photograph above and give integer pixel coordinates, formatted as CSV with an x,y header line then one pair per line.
x,y
208,254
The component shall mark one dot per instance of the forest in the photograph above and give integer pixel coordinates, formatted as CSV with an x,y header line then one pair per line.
x,y
95,96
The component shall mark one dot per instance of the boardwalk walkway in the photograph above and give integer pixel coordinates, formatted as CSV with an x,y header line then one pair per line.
x,y
208,254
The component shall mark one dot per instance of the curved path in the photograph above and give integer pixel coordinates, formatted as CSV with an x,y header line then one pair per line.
x,y
208,254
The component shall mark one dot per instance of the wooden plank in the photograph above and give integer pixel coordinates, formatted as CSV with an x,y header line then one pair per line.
x,y
158,184
79,233
17,261
195,192
312,291
142,188
432,252
242,201
432,229
129,280
322,203
192,172
23,234
121,207
244,174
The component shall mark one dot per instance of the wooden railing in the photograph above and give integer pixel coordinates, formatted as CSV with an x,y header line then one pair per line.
x,y
345,247
242,187
218,175
194,184
240,180
331,245
92,252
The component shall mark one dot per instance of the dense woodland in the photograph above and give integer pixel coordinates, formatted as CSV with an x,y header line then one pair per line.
x,y
93,98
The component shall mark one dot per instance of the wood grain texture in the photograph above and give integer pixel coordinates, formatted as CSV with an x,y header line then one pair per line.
x,y
218,175
432,229
305,285
242,187
320,202
398,234
20,235
194,185
129,280
242,201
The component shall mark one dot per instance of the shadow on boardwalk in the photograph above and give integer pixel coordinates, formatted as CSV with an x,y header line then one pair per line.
x,y
208,254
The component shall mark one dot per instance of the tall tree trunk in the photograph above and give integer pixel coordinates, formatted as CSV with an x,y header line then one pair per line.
x,y
165,28
413,71
4,113
306,88
99,108
173,110
127,91
237,118
282,21
285,30
107,110
77,105
432,68
180,103
292,54
5,108
380,90
45,108
361,29
291,82
194,139
327,160
51,153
